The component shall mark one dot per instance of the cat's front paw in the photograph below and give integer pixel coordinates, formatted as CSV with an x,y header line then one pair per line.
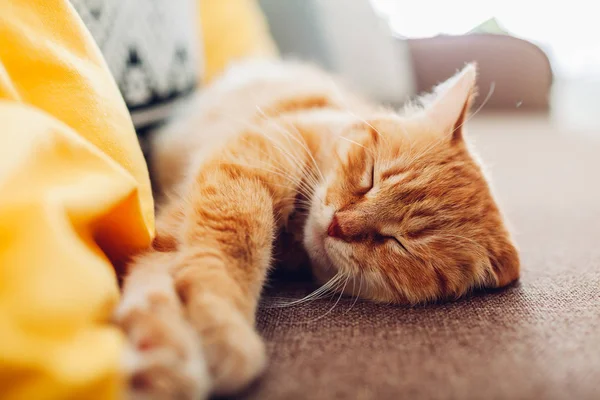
x,y
235,353
236,359
163,358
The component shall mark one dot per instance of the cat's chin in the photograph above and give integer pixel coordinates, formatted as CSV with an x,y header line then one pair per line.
x,y
320,263
322,275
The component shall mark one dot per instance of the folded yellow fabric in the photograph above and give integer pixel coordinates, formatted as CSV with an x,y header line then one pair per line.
x,y
74,197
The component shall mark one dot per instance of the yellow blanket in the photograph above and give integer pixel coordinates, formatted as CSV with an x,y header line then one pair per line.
x,y
74,196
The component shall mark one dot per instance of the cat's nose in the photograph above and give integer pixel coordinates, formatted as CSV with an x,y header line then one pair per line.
x,y
334,229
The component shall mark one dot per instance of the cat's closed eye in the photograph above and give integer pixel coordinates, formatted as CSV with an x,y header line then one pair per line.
x,y
367,180
381,238
398,242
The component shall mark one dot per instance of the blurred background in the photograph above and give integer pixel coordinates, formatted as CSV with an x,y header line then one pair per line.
x,y
534,57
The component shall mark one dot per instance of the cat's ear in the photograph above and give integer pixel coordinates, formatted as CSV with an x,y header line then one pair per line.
x,y
449,104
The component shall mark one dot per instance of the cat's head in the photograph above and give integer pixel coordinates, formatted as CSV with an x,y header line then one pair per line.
x,y
406,214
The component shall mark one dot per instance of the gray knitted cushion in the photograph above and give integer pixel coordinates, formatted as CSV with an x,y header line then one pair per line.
x,y
151,48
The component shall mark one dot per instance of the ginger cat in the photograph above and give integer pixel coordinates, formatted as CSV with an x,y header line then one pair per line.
x,y
390,207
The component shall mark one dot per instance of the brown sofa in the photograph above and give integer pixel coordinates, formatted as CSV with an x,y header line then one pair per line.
x,y
539,339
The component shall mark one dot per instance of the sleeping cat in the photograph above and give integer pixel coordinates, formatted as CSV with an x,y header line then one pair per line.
x,y
390,207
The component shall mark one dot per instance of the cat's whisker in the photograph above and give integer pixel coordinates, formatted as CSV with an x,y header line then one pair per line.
x,y
308,188
301,208
352,141
335,304
330,284
357,295
297,186
267,156
367,149
296,180
294,157
302,143
366,123
343,99
298,201
290,158
315,294
258,167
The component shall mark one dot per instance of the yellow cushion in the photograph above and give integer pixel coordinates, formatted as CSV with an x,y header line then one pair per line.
x,y
232,30
74,196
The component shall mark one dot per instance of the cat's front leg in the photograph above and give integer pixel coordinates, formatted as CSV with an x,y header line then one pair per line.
x,y
216,236
222,261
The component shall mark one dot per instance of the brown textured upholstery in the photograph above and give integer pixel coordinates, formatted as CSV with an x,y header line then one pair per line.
x,y
520,71
539,339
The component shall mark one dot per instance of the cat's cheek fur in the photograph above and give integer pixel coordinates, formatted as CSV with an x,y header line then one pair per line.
x,y
315,234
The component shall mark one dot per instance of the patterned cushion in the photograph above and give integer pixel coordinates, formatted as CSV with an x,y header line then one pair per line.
x,y
151,48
